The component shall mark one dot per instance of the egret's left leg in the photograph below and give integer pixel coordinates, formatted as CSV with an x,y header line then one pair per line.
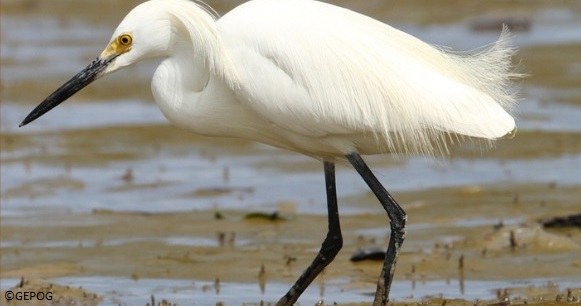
x,y
330,247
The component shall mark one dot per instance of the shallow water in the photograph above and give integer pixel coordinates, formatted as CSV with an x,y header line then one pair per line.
x,y
187,292
110,149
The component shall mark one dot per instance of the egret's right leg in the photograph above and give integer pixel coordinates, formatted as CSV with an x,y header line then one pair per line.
x,y
397,217
330,247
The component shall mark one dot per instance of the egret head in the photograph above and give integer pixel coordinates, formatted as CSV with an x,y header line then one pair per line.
x,y
144,33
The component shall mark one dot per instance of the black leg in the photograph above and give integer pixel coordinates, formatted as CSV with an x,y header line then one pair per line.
x,y
397,217
330,247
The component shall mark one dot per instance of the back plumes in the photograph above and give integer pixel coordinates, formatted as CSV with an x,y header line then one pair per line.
x,y
322,71
491,70
439,97
482,94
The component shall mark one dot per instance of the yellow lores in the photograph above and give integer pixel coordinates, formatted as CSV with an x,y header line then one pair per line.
x,y
118,46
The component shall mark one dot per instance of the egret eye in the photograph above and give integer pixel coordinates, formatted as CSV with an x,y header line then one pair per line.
x,y
124,39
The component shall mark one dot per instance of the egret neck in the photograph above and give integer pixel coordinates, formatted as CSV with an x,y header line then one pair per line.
x,y
182,78
179,80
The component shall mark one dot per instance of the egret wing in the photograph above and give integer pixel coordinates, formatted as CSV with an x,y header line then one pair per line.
x,y
318,70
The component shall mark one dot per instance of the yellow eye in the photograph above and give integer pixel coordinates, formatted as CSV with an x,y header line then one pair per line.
x,y
124,39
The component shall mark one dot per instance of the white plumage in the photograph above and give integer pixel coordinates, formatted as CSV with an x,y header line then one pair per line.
x,y
318,79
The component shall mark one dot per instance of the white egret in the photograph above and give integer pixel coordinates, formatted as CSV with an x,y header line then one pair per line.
x,y
313,78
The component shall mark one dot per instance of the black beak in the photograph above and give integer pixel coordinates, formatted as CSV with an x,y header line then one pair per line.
x,y
92,72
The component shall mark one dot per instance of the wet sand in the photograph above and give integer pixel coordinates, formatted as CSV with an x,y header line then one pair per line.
x,y
199,246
